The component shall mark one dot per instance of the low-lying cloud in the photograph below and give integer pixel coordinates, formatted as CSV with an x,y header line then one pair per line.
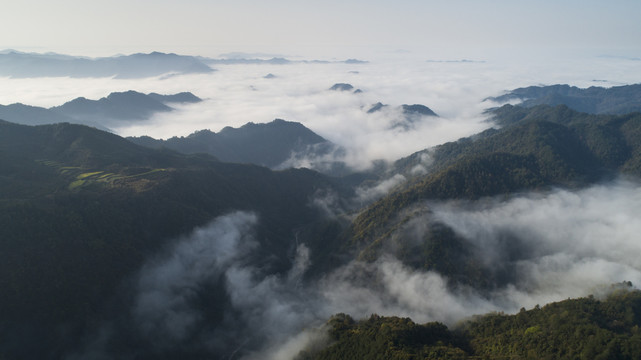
x,y
573,241
237,94
164,306
576,243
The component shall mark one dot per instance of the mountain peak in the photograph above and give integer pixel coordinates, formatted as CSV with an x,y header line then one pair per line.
x,y
417,109
342,87
268,144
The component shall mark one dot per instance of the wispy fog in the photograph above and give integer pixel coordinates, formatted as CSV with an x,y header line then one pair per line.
x,y
580,242
237,94
575,241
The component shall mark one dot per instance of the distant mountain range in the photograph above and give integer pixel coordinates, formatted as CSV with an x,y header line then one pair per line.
x,y
235,60
26,65
593,100
103,113
271,144
18,64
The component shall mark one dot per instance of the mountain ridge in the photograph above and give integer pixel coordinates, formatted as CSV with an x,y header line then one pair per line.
x,y
102,113
139,65
594,100
270,144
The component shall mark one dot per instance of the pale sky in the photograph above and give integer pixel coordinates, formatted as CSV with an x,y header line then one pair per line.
x,y
315,28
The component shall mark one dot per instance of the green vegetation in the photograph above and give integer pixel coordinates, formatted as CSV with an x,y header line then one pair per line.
x,y
268,144
387,338
594,100
536,149
81,210
586,328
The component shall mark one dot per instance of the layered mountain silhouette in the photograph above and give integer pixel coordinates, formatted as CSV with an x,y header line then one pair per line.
x,y
593,100
116,108
26,65
272,144
243,59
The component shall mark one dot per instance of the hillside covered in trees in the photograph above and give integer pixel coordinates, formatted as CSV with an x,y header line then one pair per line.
x,y
586,328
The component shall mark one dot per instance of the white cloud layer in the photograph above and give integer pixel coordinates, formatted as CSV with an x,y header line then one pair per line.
x,y
237,94
578,242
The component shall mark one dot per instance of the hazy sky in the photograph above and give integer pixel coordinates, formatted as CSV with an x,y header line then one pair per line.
x,y
316,28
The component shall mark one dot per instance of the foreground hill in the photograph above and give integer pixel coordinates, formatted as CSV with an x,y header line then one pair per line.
x,y
29,65
594,100
272,144
585,328
82,210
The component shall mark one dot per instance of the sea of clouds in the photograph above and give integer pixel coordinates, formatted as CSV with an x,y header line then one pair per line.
x,y
237,94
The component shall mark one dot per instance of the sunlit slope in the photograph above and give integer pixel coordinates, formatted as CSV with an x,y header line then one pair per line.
x,y
585,328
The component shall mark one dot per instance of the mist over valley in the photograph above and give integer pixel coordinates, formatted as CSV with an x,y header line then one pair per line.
x,y
284,207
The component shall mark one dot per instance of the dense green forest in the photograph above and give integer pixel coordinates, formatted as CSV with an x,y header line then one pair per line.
x,y
594,100
586,328
535,149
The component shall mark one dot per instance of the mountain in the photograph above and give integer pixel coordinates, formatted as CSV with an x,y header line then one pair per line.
x,y
103,113
243,58
594,100
271,144
407,110
342,87
183,97
407,116
31,115
82,211
117,106
376,107
586,328
27,65
544,147
417,109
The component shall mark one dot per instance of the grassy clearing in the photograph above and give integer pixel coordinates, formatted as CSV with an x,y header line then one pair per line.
x,y
80,177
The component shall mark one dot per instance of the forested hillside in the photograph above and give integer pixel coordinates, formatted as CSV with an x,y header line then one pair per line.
x,y
536,149
586,328
82,210
594,100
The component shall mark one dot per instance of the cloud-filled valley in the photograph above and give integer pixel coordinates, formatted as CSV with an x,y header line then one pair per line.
x,y
237,94
240,283
572,243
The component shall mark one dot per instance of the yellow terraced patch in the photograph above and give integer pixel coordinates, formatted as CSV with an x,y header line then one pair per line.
x,y
86,175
